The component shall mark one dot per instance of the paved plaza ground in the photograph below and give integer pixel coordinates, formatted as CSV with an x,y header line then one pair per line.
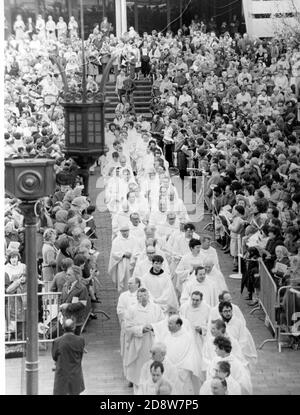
x,y
275,374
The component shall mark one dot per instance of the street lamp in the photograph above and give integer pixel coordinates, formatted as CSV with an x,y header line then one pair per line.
x,y
29,180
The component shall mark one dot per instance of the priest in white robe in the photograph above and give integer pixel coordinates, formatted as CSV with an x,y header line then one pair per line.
x,y
238,370
188,264
239,331
119,219
208,252
165,230
222,371
214,275
159,284
126,300
183,353
139,334
144,264
197,312
150,385
236,311
120,265
161,329
199,282
218,328
136,227
159,354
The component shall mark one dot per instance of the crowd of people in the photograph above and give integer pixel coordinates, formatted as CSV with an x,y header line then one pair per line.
x,y
225,107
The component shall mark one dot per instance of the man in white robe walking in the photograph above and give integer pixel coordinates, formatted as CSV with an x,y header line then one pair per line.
x,y
183,353
199,282
159,284
126,300
139,334
222,371
121,262
237,329
159,354
197,312
188,263
143,265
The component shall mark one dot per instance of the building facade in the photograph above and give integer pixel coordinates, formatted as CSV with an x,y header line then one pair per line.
x,y
266,18
143,15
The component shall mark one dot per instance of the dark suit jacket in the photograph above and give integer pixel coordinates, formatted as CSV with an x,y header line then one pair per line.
x,y
67,352
75,310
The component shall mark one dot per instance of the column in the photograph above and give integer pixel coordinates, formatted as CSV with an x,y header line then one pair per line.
x,y
121,17
136,17
180,11
32,353
168,13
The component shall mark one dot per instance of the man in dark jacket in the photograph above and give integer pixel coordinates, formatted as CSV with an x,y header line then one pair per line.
x,y
74,298
67,352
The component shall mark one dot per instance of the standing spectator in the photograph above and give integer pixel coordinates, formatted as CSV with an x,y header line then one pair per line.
x,y
19,28
73,28
50,28
74,298
49,252
67,352
62,29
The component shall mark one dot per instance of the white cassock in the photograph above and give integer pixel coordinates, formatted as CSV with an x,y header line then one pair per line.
x,y
237,371
157,218
210,254
126,300
185,266
143,265
119,267
197,316
165,230
113,193
233,387
239,331
139,343
161,289
207,288
148,387
118,220
183,353
209,350
161,329
170,374
137,232
176,247
236,312
217,277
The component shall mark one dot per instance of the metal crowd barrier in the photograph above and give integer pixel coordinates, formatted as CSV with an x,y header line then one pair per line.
x,y
288,299
267,301
48,326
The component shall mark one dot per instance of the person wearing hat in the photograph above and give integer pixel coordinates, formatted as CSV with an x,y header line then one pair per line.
x,y
122,261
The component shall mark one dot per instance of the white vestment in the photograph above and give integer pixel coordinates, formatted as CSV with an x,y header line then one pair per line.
x,y
126,300
198,317
210,254
217,277
139,343
237,371
236,312
170,374
239,331
233,387
209,350
207,288
119,267
185,266
143,265
183,353
161,289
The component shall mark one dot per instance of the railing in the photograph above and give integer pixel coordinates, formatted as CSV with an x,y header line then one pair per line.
x,y
48,328
288,300
267,301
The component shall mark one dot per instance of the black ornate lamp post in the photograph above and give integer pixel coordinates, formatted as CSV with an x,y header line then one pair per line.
x,y
30,180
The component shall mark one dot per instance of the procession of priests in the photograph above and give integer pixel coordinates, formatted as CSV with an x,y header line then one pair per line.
x,y
179,331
